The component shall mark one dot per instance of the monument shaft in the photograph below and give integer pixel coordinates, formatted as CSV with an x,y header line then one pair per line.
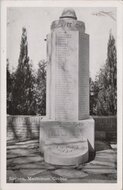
x,y
68,75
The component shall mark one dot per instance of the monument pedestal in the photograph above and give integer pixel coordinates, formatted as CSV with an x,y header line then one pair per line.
x,y
67,142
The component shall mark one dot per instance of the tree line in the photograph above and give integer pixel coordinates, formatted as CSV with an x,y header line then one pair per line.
x,y
26,89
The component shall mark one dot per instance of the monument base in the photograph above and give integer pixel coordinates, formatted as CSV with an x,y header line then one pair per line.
x,y
67,154
67,142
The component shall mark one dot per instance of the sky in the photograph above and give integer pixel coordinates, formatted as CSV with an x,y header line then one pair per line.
x,y
99,22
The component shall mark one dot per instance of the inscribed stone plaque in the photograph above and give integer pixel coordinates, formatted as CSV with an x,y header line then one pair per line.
x,y
66,76
67,154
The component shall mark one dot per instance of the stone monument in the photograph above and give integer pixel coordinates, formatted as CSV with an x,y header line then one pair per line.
x,y
67,132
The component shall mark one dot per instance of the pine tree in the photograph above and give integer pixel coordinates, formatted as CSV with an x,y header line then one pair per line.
x,y
40,90
9,88
107,82
23,100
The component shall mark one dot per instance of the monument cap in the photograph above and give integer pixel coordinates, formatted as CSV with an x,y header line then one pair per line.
x,y
69,13
68,22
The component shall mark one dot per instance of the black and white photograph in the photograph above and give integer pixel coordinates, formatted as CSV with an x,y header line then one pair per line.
x,y
61,94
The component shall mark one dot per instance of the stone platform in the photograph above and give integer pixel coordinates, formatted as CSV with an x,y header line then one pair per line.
x,y
25,164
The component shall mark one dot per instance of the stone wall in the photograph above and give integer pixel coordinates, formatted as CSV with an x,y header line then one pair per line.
x,y
22,128
106,128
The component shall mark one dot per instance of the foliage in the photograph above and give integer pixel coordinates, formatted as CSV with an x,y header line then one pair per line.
x,y
40,88
9,84
26,92
105,85
94,89
22,96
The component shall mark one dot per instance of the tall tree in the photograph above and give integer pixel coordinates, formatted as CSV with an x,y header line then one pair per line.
x,y
23,101
40,90
107,82
9,84
94,89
